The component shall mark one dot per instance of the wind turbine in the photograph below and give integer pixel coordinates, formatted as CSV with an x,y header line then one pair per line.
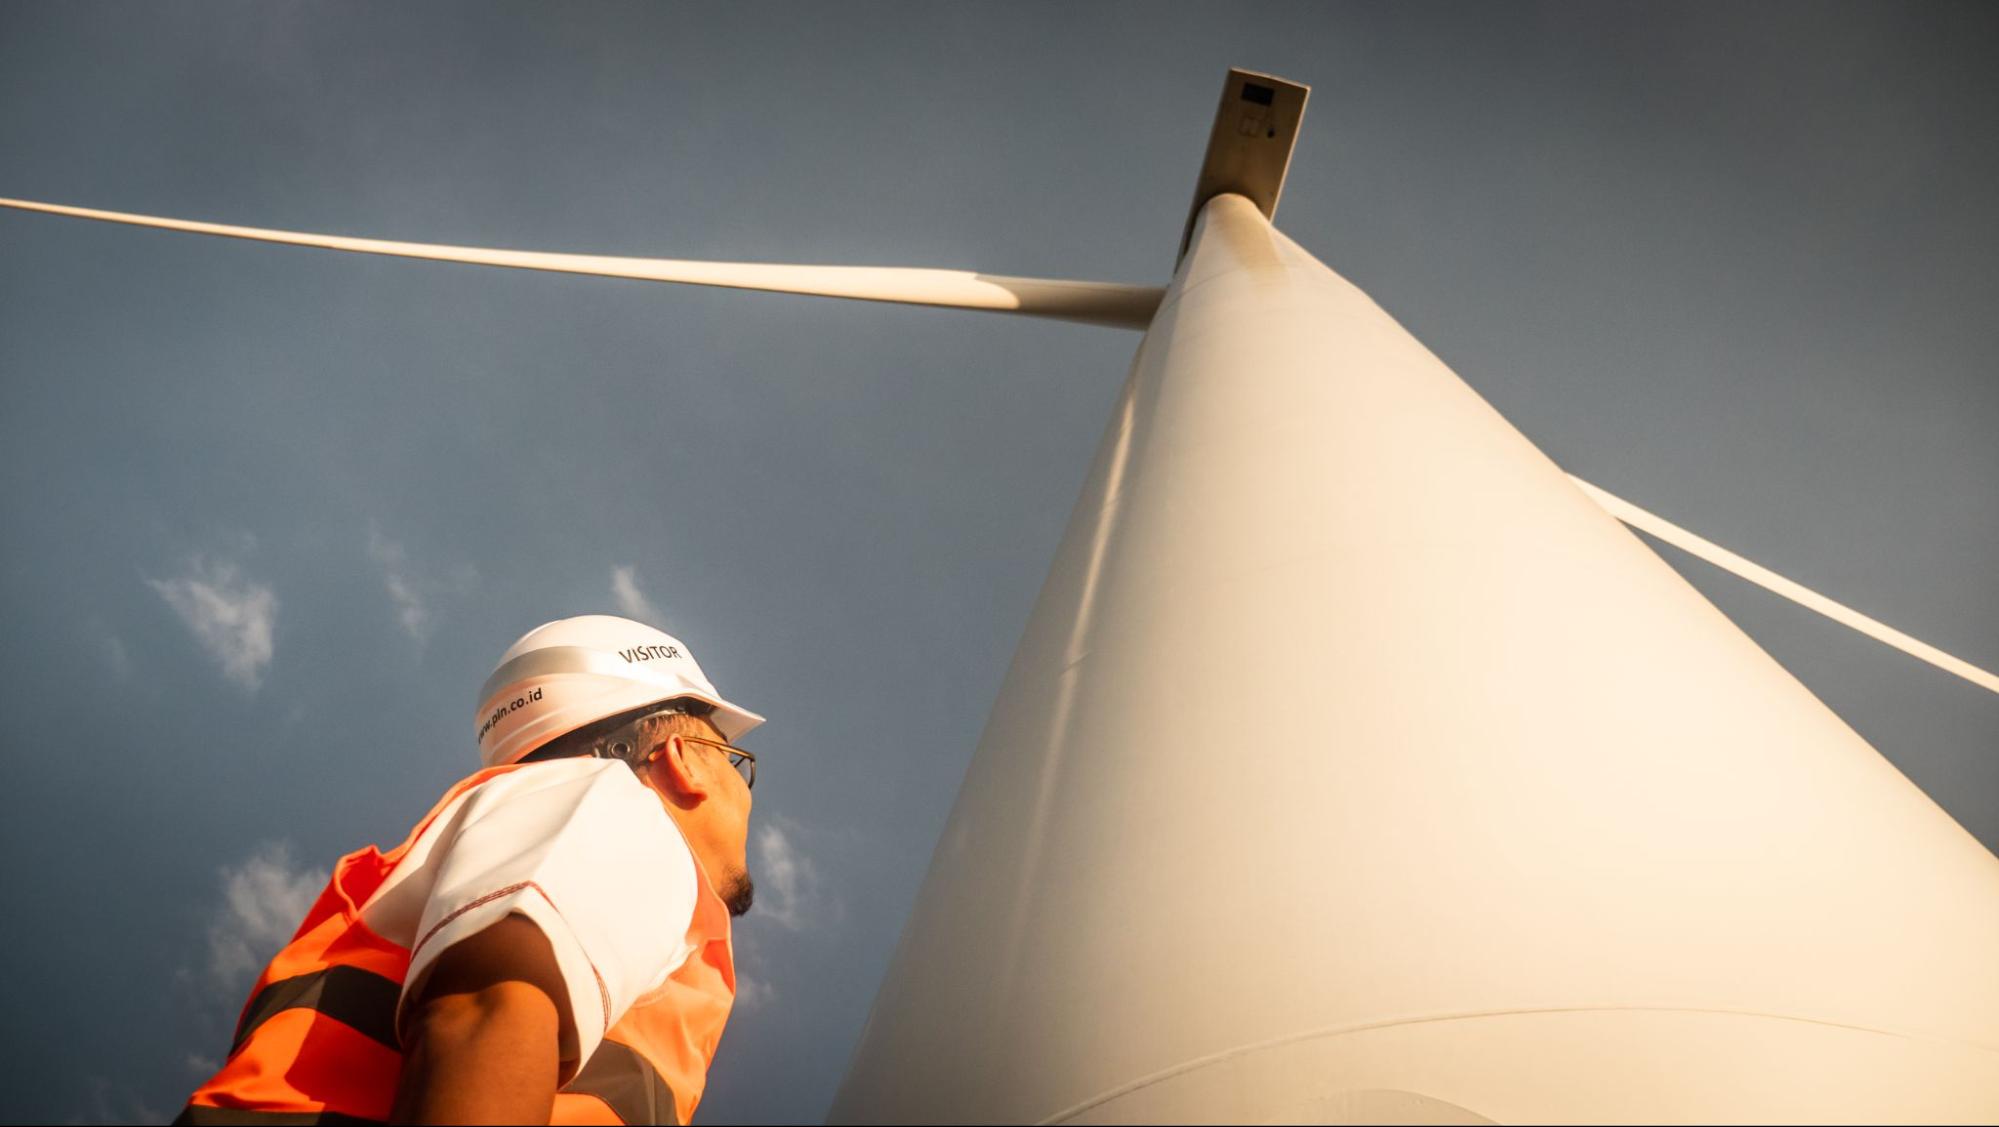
x,y
1357,765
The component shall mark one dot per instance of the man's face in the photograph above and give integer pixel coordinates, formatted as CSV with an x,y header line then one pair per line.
x,y
726,810
733,807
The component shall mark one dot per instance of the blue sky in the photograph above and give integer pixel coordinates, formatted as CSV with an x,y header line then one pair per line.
x,y
272,513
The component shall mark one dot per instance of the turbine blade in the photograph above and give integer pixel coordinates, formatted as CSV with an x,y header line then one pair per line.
x,y
1796,592
1096,303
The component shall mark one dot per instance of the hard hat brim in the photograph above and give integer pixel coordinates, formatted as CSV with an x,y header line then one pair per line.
x,y
608,684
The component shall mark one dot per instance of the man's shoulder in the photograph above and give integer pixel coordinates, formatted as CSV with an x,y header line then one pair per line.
x,y
581,772
535,821
596,796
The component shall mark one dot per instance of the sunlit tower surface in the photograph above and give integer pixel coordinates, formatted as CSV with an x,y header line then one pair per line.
x,y
1356,766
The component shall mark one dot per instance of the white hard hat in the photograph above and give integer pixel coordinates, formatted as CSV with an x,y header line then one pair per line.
x,y
577,671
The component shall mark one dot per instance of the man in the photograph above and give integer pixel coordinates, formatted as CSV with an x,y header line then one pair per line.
x,y
551,942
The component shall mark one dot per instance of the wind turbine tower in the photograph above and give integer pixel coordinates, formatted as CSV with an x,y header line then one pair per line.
x,y
1357,766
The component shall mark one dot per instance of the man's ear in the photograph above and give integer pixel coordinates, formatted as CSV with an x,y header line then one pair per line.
x,y
676,767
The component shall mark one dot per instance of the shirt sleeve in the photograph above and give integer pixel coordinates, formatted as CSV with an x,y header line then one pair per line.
x,y
585,852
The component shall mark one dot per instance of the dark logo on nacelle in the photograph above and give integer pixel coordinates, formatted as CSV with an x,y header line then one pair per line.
x,y
648,653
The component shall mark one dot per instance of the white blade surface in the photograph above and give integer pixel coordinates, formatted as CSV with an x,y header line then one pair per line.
x,y
1096,303
1796,592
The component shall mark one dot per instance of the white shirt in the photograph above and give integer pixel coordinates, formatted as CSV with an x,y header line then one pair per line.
x,y
581,848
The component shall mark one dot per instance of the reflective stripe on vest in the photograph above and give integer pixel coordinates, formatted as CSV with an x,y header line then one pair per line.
x,y
359,999
196,1115
317,1041
365,1002
627,1082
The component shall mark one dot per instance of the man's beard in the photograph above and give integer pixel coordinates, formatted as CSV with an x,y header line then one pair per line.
x,y
739,894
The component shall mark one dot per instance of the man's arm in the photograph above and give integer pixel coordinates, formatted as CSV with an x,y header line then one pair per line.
x,y
484,1037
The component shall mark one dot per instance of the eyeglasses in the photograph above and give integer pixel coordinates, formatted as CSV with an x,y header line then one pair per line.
x,y
744,762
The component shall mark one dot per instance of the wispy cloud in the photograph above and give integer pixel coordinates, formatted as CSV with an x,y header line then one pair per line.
x,y
231,616
752,988
414,591
790,898
632,601
411,612
113,1101
788,890
263,900
752,993
118,658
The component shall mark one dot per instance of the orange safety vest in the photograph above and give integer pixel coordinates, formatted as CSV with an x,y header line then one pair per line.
x,y
317,1040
